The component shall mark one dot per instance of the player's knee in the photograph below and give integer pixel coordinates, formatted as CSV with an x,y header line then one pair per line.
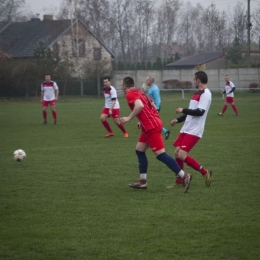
x,y
102,118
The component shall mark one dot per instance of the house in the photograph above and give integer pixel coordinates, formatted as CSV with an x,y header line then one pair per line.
x,y
202,60
65,38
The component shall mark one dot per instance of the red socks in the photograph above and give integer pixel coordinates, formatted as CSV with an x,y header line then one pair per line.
x,y
122,128
180,163
224,109
233,106
235,109
195,165
107,126
54,114
44,113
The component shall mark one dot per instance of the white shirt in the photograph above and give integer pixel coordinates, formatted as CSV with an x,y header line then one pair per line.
x,y
109,94
49,90
194,125
228,88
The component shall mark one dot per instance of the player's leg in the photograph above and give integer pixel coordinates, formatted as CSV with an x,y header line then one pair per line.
x,y
234,108
140,150
103,117
164,130
187,144
166,133
155,142
115,116
54,112
223,109
44,111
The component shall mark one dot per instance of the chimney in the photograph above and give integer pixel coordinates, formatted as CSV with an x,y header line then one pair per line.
x,y
35,19
47,17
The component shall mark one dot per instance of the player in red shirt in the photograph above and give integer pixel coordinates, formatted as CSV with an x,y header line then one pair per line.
x,y
151,125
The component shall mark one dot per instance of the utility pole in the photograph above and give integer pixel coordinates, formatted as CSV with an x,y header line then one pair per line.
x,y
248,34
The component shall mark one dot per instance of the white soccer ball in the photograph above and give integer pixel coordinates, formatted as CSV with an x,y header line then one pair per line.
x,y
19,155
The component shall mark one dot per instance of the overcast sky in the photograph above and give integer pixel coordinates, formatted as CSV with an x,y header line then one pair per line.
x,y
51,6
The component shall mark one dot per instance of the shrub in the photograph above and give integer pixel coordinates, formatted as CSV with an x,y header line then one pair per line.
x,y
176,84
253,86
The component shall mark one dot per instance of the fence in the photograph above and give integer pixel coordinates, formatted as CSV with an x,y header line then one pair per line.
x,y
214,89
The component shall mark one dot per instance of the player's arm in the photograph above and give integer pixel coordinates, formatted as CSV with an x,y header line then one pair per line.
x,y
42,93
156,99
56,94
138,107
191,112
178,120
113,103
56,91
232,88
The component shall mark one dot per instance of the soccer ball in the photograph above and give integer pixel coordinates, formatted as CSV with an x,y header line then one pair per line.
x,y
19,155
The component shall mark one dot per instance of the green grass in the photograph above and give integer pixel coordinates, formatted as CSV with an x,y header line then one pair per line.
x,y
70,198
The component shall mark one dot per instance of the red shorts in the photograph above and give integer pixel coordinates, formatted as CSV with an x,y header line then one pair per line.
x,y
46,103
186,141
153,139
229,99
115,112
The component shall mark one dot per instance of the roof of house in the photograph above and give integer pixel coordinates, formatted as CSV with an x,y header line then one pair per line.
x,y
20,39
197,59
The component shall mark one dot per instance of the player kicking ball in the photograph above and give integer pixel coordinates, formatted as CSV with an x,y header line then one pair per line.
x,y
151,125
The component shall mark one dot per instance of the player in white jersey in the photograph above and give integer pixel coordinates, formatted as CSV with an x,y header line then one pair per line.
x,y
111,109
49,94
229,91
194,119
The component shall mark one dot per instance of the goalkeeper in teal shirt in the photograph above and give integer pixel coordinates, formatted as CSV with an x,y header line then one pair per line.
x,y
154,93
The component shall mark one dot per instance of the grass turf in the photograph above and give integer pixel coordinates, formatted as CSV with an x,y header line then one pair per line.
x,y
70,200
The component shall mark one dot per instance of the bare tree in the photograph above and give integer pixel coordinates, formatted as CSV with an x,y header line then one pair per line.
x,y
164,31
10,10
214,25
238,24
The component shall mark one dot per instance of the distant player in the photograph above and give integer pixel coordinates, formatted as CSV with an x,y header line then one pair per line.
x,y
151,125
229,91
194,119
49,94
111,109
154,93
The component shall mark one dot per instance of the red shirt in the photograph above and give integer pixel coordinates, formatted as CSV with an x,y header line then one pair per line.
x,y
148,117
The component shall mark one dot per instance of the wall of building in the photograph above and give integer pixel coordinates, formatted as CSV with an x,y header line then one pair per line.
x,y
240,77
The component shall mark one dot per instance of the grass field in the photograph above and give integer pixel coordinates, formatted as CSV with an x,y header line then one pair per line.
x,y
70,198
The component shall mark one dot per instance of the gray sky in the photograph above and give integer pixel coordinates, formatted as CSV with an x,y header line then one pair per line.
x,y
51,6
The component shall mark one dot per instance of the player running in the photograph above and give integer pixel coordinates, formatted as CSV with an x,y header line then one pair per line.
x,y
151,125
112,108
194,119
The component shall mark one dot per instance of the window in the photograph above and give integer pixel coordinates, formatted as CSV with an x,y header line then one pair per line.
x,y
78,48
97,53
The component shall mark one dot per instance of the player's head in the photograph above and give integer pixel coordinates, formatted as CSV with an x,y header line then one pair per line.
x,y
200,77
127,83
149,81
106,81
47,77
227,78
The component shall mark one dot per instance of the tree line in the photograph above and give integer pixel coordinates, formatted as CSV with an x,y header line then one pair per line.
x,y
144,30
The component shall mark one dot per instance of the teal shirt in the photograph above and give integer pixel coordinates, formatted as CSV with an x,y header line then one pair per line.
x,y
154,94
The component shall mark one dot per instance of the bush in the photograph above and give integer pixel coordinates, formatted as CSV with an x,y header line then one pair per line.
x,y
253,86
170,83
176,84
